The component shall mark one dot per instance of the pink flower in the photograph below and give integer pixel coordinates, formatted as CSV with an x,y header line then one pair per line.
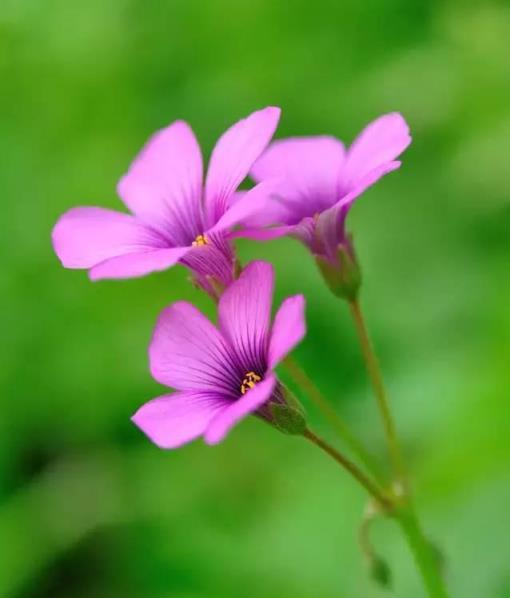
x,y
321,180
174,217
224,373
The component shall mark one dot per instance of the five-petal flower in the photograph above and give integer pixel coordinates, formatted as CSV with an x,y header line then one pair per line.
x,y
174,217
221,373
320,180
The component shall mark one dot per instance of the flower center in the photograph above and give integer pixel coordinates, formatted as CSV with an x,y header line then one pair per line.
x,y
249,381
199,241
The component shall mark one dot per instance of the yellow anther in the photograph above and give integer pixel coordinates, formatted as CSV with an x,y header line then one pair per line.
x,y
200,241
249,381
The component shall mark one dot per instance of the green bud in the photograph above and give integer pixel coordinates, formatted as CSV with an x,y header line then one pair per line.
x,y
380,572
343,276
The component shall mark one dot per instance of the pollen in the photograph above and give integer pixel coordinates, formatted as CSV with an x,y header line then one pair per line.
x,y
249,381
199,241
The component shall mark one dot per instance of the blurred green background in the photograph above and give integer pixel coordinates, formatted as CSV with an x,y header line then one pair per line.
x,y
88,507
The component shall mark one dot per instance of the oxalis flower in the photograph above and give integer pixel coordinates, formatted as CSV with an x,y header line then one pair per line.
x,y
320,180
174,217
221,373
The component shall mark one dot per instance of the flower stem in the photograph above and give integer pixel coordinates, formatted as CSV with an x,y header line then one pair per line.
x,y
425,555
352,468
303,381
374,372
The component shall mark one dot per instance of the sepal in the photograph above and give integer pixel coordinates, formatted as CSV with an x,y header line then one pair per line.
x,y
343,274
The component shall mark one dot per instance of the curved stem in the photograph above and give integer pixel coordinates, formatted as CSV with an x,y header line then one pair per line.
x,y
352,468
374,372
303,381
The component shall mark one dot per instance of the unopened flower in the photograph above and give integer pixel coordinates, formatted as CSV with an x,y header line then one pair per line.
x,y
221,373
174,216
320,180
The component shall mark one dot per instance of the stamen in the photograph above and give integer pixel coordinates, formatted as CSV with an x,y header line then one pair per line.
x,y
249,381
200,241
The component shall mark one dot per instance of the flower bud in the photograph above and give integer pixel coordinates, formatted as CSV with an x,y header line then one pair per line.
x,y
380,572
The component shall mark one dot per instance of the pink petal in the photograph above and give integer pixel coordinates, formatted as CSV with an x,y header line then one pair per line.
x,y
254,204
289,329
175,419
246,404
262,234
380,142
329,224
163,186
310,168
233,156
84,237
187,352
244,315
138,264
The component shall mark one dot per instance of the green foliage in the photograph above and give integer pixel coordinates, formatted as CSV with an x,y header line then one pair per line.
x,y
87,506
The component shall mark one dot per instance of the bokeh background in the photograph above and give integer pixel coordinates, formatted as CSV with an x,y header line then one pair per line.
x,y
88,507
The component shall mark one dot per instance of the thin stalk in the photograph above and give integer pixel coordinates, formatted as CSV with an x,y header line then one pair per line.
x,y
352,469
374,372
424,554
303,381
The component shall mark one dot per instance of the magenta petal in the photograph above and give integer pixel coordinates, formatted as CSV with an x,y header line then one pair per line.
x,y
244,315
138,264
187,352
163,186
329,225
233,156
289,329
262,234
380,142
246,404
84,237
175,419
310,168
253,204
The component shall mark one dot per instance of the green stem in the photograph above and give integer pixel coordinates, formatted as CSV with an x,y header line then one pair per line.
x,y
351,468
374,372
425,555
303,381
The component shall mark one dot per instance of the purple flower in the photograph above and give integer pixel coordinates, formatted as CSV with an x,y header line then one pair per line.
x,y
320,180
175,218
221,373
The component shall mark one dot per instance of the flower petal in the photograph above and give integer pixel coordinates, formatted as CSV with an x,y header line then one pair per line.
x,y
163,186
187,352
138,264
215,259
330,224
380,142
244,315
262,234
289,329
233,156
84,237
255,203
175,419
246,404
310,168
